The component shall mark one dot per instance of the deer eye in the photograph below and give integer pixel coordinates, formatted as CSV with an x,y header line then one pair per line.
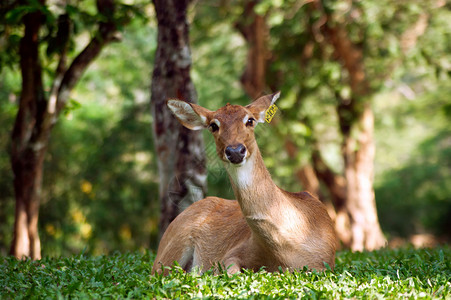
x,y
250,122
213,127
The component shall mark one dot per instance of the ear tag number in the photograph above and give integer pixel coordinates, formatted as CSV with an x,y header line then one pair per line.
x,y
270,112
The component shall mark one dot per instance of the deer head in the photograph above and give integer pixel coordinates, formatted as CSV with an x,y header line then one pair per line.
x,y
232,126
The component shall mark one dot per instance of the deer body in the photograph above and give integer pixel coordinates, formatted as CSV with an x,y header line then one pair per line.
x,y
266,226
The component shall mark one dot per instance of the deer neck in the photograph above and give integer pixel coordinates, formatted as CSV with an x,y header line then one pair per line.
x,y
253,187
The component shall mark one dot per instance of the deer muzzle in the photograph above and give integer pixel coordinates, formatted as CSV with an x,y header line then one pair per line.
x,y
236,154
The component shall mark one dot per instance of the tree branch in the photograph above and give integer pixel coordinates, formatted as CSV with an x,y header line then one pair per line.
x,y
106,33
63,35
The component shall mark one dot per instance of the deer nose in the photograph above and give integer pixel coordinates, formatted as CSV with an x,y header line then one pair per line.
x,y
235,154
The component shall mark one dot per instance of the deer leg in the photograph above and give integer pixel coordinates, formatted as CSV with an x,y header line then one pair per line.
x,y
243,256
233,265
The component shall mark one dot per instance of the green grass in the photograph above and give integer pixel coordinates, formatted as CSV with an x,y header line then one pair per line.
x,y
395,274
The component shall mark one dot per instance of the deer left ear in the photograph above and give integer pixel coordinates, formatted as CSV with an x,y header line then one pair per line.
x,y
259,106
190,115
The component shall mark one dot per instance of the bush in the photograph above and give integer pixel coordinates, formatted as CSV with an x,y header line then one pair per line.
x,y
392,274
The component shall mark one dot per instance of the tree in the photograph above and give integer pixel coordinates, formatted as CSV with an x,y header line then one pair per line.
x,y
181,160
356,122
40,107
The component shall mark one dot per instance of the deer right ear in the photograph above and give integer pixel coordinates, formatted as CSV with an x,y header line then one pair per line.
x,y
190,115
260,105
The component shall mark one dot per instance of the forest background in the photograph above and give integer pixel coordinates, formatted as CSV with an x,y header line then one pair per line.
x,y
100,184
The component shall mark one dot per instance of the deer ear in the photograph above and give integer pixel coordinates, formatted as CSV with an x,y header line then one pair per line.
x,y
190,115
259,106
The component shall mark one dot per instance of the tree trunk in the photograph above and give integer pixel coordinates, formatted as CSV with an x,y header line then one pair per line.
x,y
28,147
253,28
27,185
360,202
336,186
35,119
181,158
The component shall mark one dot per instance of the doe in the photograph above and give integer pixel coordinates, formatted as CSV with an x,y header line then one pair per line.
x,y
266,226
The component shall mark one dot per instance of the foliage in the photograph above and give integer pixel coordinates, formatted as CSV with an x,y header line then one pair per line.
x,y
413,187
8,110
389,274
79,18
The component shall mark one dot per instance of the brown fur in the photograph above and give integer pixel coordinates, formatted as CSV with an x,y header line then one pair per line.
x,y
265,227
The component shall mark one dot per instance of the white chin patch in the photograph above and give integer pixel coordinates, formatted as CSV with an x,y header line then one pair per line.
x,y
242,174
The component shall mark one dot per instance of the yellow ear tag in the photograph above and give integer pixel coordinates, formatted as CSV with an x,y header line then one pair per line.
x,y
270,112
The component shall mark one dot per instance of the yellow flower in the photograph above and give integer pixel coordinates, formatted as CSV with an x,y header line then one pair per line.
x,y
86,187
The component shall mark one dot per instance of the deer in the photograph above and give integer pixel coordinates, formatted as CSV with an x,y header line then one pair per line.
x,y
265,227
